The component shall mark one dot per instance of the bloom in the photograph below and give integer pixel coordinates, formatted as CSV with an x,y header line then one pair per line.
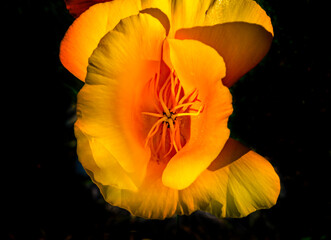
x,y
152,116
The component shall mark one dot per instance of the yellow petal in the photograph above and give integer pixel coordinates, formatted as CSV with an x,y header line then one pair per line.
x,y
85,33
197,196
199,66
152,200
231,151
163,5
242,45
240,31
248,11
188,14
108,104
181,14
100,164
157,13
242,187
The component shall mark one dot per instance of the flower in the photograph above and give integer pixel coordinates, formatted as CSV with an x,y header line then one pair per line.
x,y
152,115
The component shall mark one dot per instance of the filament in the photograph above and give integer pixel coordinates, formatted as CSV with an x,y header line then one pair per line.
x,y
171,104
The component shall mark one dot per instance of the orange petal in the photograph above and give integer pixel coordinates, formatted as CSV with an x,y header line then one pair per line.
x,y
84,34
247,11
152,200
77,7
157,13
199,66
236,190
188,14
181,14
232,151
240,30
242,45
101,165
108,104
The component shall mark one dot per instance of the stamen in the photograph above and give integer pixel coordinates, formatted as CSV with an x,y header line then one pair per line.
x,y
154,129
152,114
164,106
190,114
189,95
182,106
171,103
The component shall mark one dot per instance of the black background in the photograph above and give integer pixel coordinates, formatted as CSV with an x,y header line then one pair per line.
x,y
281,111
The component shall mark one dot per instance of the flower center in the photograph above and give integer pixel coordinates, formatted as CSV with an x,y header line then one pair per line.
x,y
173,109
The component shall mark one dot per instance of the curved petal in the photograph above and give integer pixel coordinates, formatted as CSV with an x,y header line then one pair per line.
x,y
242,45
248,184
152,200
188,14
181,14
199,66
100,164
240,30
108,104
242,187
231,151
157,13
77,7
84,34
248,11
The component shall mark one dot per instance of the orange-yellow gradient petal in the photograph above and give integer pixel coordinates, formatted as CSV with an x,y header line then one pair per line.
x,y
188,14
242,45
181,14
199,66
232,151
152,200
101,166
85,33
241,187
236,190
240,30
225,11
107,105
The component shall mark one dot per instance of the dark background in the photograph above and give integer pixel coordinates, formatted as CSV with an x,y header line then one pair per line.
x,y
281,111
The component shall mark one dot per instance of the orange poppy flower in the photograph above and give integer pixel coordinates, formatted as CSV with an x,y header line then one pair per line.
x,y
152,115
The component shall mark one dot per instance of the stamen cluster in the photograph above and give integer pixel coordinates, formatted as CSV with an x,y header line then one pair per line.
x,y
165,137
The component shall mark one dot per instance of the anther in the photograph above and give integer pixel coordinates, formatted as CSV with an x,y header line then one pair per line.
x,y
165,137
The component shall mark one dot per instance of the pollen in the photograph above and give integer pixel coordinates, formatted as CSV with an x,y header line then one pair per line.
x,y
173,107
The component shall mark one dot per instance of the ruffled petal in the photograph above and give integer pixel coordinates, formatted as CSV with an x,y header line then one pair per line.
x,y
198,66
85,33
232,151
77,7
242,45
181,14
101,165
246,185
240,30
152,200
236,190
108,106
157,13
248,11
188,14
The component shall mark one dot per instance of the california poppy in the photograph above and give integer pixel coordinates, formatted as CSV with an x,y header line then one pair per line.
x,y
152,115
